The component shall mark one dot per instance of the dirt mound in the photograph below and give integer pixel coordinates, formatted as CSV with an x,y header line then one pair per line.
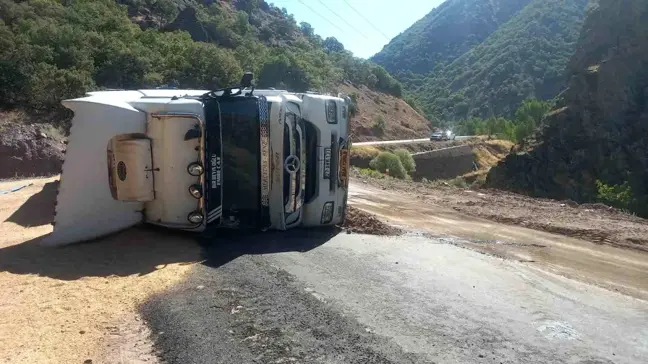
x,y
29,150
384,117
360,222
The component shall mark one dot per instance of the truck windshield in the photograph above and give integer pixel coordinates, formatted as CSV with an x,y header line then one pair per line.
x,y
241,158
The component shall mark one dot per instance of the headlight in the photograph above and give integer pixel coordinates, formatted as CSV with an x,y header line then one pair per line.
x,y
196,191
195,217
331,112
327,212
195,169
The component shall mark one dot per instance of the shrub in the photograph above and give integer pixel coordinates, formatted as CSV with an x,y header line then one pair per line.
x,y
353,105
458,182
413,104
385,161
406,159
371,173
380,123
618,195
366,151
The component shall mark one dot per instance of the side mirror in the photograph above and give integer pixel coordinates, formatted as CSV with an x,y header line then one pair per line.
x,y
246,80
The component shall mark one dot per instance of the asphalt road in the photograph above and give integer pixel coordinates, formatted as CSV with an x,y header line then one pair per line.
x,y
318,297
404,141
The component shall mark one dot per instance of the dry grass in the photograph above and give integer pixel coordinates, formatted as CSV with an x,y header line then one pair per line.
x,y
52,131
364,152
488,153
14,116
64,305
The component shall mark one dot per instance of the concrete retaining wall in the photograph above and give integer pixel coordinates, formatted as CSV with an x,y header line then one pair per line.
x,y
446,163
443,163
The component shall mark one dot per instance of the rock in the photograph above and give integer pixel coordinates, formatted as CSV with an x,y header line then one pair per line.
x,y
599,130
24,152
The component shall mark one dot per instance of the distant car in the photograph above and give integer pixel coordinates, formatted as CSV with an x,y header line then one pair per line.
x,y
440,135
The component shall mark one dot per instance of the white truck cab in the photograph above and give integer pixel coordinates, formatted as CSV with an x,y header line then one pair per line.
x,y
235,158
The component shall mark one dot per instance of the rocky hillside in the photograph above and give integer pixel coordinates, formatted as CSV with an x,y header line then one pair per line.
x,y
379,116
594,146
488,56
28,150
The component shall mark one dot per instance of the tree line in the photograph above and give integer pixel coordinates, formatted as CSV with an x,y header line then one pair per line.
x,y
527,119
52,50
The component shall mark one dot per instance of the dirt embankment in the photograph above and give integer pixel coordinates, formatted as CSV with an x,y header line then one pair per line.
x,y
384,117
29,150
593,222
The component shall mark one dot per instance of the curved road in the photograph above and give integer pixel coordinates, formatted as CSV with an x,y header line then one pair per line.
x,y
406,141
322,297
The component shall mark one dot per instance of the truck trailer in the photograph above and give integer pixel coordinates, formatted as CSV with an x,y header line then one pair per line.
x,y
234,158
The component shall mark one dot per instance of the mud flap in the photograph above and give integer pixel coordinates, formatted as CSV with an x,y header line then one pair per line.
x,y
85,207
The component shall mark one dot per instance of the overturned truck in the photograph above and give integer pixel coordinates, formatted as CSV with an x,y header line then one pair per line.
x,y
235,158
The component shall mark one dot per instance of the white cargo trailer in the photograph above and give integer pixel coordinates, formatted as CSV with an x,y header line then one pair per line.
x,y
235,158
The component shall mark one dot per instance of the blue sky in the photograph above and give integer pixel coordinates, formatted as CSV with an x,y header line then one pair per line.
x,y
390,17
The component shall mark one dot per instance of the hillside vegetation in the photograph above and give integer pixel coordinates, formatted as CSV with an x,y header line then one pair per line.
x,y
594,145
444,34
52,50
524,57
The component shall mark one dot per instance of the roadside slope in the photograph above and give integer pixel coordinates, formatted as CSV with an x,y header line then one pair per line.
x,y
381,116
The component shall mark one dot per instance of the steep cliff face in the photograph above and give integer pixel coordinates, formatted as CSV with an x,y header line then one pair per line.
x,y
600,130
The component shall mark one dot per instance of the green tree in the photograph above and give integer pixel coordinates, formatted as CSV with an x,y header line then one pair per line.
x,y
331,44
406,159
387,162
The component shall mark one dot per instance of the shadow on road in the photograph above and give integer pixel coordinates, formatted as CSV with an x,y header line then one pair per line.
x,y
38,209
134,251
221,248
139,250
142,250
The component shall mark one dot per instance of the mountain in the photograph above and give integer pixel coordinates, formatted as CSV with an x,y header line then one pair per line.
x,y
594,145
51,50
521,54
444,34
55,50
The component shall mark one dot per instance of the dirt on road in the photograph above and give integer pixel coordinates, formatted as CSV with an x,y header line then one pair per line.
x,y
361,222
596,223
78,303
469,219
